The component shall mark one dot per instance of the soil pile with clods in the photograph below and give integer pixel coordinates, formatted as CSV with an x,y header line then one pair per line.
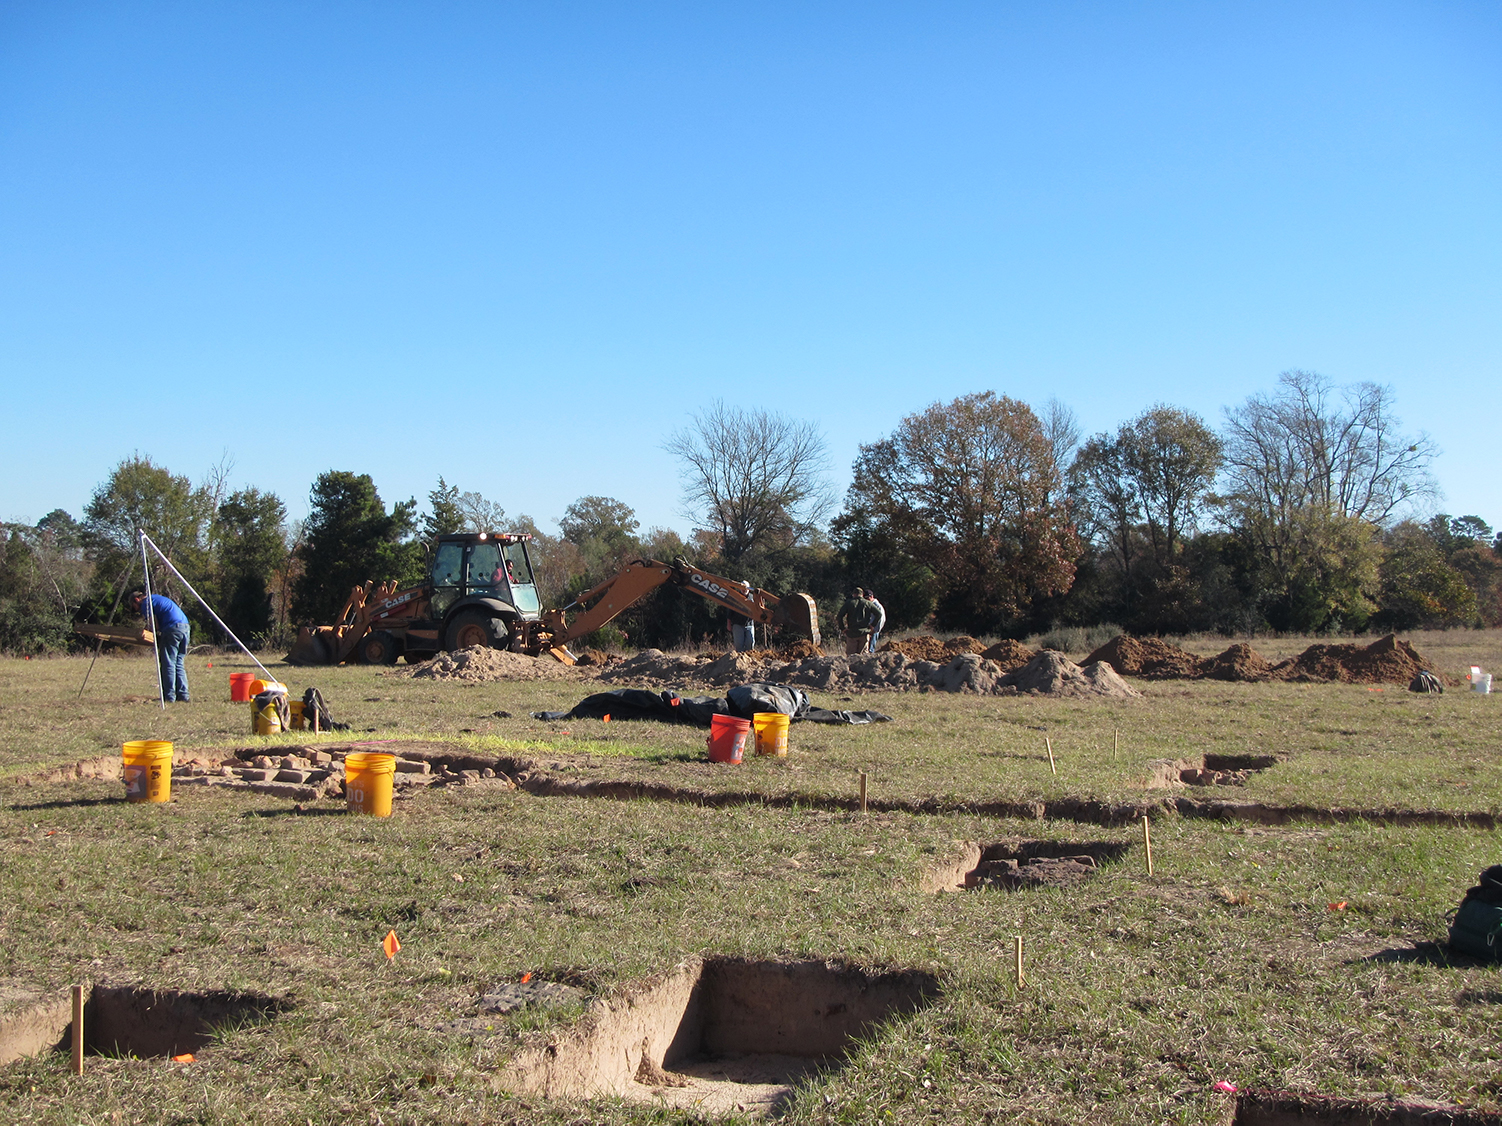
x,y
1052,674
928,648
1009,654
1149,657
479,663
1385,661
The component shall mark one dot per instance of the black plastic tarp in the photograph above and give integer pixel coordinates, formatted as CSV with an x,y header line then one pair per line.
x,y
742,702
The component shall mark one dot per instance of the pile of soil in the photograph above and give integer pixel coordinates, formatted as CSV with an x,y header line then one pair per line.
x,y
479,663
1009,654
1239,662
928,648
1385,661
1052,674
1149,657
871,672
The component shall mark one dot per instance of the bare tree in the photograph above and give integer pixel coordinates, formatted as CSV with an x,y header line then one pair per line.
x,y
479,514
1061,428
755,477
1338,450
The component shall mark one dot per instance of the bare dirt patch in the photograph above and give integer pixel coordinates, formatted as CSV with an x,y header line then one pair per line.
x,y
1387,660
719,1035
1019,864
1211,770
1052,674
1262,1108
480,663
928,648
132,1021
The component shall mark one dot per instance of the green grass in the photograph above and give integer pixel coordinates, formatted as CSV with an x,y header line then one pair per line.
x,y
1227,964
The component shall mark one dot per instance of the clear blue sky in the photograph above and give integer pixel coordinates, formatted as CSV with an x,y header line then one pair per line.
x,y
519,244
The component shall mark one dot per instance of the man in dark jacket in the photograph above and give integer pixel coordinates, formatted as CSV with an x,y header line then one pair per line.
x,y
171,626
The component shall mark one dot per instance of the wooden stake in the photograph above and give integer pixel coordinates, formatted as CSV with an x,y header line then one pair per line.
x,y
863,791
1047,742
1147,844
78,1030
1017,944
1116,746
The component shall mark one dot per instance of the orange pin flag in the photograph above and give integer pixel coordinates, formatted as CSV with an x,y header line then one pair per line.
x,y
526,977
607,717
1341,906
391,944
186,1057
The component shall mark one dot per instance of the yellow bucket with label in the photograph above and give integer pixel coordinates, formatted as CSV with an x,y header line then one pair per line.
x,y
368,780
771,733
146,769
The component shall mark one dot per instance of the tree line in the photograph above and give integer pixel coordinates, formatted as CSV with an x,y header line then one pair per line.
x,y
1305,511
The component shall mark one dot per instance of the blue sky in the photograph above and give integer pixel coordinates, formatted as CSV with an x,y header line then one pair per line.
x,y
519,245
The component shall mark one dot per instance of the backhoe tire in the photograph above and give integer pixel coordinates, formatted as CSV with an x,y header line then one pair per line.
x,y
474,627
379,648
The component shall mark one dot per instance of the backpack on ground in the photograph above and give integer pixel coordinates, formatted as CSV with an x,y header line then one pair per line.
x,y
315,710
1426,681
1476,929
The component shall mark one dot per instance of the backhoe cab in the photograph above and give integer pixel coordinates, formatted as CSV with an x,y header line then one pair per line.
x,y
480,591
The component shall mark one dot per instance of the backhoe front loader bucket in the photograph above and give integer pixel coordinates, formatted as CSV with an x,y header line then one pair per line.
x,y
798,613
314,646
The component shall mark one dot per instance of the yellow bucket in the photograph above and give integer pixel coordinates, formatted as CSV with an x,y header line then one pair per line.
x,y
298,722
771,733
367,782
264,720
146,769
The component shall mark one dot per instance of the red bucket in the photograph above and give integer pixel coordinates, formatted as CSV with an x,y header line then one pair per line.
x,y
239,685
727,738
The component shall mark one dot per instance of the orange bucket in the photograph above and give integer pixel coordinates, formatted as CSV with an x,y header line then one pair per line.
x,y
727,738
239,686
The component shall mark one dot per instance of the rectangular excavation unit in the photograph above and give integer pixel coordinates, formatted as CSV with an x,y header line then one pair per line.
x,y
1018,864
719,1034
130,1021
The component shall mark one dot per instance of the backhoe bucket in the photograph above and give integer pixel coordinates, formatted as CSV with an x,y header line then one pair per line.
x,y
313,646
797,612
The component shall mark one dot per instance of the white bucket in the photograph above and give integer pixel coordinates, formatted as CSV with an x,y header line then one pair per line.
x,y
1482,684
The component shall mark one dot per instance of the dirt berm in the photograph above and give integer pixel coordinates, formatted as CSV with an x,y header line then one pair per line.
x,y
1385,661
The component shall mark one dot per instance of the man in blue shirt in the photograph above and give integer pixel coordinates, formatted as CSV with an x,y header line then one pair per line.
x,y
171,641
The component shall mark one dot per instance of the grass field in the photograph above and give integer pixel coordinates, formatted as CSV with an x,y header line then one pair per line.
x,y
1228,963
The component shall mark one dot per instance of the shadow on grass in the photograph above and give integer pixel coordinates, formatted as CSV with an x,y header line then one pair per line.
x,y
332,811
1479,997
72,803
1423,954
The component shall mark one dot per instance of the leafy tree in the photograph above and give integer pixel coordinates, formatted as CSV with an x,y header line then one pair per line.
x,y
445,513
43,581
142,496
1419,587
349,538
965,489
755,478
252,547
604,531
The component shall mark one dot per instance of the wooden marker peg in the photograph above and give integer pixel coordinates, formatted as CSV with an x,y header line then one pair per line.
x,y
1116,746
1017,945
863,791
1147,844
1047,742
78,1030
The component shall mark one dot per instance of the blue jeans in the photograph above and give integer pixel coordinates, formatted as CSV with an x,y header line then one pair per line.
x,y
875,637
171,648
743,637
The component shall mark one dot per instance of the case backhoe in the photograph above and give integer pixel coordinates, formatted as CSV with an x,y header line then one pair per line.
x,y
481,591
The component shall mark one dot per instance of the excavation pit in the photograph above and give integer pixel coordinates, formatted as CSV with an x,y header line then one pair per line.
x,y
1256,1108
1211,770
130,1021
1017,865
720,1035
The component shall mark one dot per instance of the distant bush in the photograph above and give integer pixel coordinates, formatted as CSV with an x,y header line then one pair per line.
x,y
1075,639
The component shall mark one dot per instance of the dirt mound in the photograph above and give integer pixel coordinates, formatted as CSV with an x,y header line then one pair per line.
x,y
929,648
1148,657
1053,674
1385,661
800,650
480,663
1009,654
1239,662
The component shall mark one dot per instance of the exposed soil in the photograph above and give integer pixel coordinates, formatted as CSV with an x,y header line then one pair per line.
x,y
718,1035
480,663
1019,864
1277,1108
1052,674
1009,654
1211,770
131,1020
928,648
1385,661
